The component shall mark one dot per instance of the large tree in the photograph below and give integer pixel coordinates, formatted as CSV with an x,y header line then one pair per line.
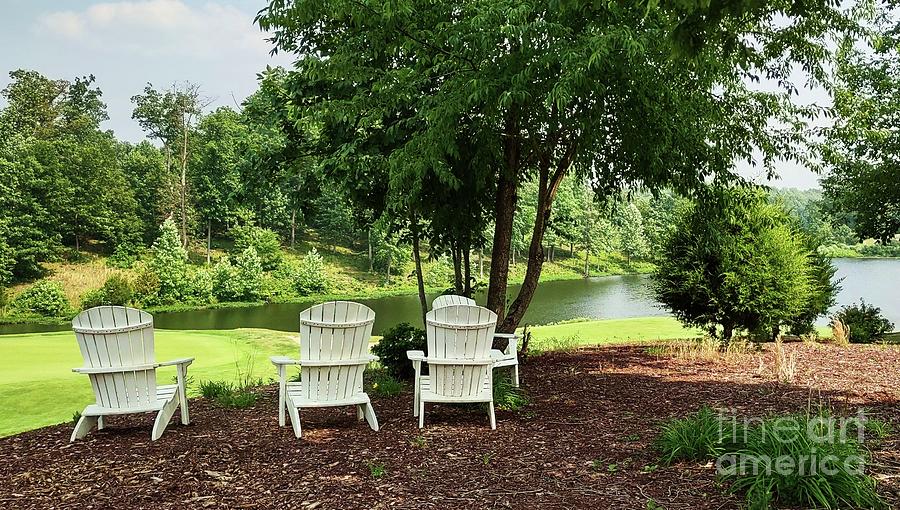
x,y
647,93
862,152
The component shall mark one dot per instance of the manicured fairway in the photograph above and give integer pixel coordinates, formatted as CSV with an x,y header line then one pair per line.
x,y
609,331
38,388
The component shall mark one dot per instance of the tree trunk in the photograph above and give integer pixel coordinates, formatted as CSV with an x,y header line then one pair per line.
x,y
420,282
184,237
727,332
389,270
293,227
480,262
504,210
587,269
547,187
456,253
371,258
571,250
467,275
208,240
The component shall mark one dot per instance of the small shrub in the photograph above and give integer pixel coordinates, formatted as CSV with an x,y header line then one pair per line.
x,y
376,469
123,257
383,384
697,437
865,323
507,397
393,346
202,285
755,465
264,241
92,298
44,298
145,285
241,281
310,276
169,264
116,291
228,394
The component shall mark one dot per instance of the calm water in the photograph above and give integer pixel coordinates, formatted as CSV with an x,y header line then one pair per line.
x,y
612,297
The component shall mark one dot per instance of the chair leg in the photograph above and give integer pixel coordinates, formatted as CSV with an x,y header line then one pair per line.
x,y
369,413
182,395
84,425
295,420
491,414
162,419
360,414
515,373
101,423
282,390
416,398
421,413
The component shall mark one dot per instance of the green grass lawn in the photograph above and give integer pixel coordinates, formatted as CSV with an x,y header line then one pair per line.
x,y
38,388
595,332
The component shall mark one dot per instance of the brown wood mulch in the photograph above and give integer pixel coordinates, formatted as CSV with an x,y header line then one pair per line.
x,y
586,441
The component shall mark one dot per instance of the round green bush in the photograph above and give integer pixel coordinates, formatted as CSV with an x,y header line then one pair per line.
x,y
44,298
393,346
866,323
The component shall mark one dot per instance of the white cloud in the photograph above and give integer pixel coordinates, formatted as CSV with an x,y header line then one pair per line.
x,y
158,28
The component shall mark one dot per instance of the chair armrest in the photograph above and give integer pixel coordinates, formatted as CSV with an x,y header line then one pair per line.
x,y
415,355
283,360
182,361
446,361
114,370
506,335
497,355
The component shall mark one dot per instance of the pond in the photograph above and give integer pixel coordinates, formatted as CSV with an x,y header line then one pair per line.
x,y
612,297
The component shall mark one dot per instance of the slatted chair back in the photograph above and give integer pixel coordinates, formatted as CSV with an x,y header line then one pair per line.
x,y
451,299
116,336
461,334
334,343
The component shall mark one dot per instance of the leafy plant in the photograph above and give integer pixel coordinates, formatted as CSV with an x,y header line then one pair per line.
x,y
264,241
865,322
228,394
44,298
506,396
697,437
393,346
168,264
799,461
115,291
241,281
310,276
123,257
376,469
384,384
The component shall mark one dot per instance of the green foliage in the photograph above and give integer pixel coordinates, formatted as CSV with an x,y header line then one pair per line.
x,y
440,273
202,285
383,383
228,394
124,256
310,277
264,241
117,290
866,323
391,349
506,396
168,263
860,146
735,262
697,437
45,298
831,476
4,297
376,469
241,281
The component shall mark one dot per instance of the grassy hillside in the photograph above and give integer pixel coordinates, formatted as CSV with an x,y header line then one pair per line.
x,y
347,269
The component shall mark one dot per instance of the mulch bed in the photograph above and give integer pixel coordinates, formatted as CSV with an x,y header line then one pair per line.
x,y
586,441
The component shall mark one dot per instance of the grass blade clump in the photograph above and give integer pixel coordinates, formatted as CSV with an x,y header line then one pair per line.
x,y
697,437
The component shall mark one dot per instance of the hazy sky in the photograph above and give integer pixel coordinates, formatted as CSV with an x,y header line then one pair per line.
x,y
126,44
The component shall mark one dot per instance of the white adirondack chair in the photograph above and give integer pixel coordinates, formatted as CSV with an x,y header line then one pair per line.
x,y
459,360
508,357
117,345
334,343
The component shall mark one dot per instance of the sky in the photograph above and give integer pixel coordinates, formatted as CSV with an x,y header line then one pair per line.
x,y
213,43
